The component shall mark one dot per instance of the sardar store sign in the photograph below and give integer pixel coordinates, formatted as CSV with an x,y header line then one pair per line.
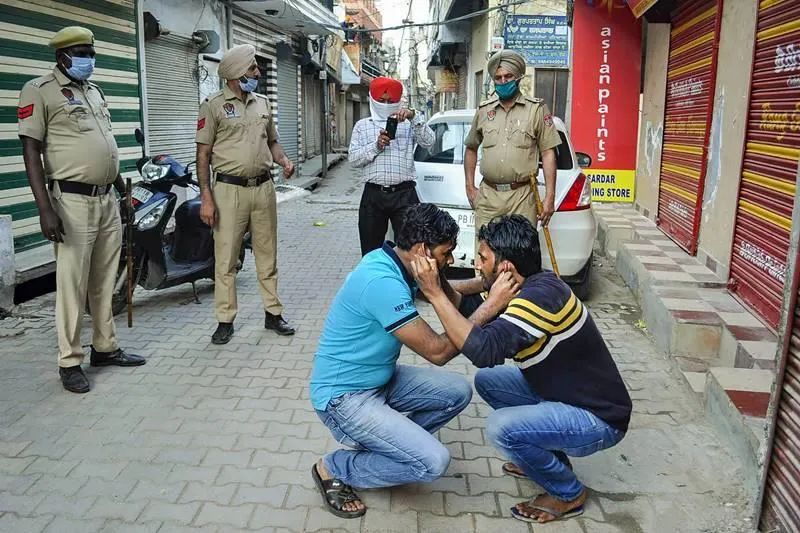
x,y
606,63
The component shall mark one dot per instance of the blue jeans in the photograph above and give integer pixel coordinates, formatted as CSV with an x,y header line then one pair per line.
x,y
388,447
528,429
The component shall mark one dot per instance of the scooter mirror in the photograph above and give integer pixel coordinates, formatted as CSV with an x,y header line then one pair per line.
x,y
139,136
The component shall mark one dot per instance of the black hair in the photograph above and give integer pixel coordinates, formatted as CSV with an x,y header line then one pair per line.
x,y
515,239
427,224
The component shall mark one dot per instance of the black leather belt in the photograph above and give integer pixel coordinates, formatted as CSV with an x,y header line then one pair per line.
x,y
391,188
74,187
243,182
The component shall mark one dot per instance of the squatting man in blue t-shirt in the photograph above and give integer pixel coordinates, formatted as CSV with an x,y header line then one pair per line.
x,y
383,412
565,396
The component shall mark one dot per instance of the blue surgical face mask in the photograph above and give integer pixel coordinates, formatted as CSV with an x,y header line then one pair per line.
x,y
506,90
81,69
250,85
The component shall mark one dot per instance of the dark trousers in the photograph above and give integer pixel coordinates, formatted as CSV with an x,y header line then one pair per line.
x,y
378,206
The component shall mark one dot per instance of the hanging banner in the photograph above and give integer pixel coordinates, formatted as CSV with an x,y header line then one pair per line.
x,y
606,67
542,40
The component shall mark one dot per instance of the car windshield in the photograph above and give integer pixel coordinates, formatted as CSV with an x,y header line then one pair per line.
x,y
449,146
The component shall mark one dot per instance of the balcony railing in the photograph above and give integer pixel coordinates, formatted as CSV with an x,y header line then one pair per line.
x,y
369,69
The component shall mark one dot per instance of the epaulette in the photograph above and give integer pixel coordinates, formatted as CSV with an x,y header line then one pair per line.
x,y
259,95
488,101
97,87
534,100
214,95
41,80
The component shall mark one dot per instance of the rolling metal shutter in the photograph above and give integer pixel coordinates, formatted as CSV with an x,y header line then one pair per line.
x,y
772,148
27,26
312,135
173,95
288,101
780,505
690,92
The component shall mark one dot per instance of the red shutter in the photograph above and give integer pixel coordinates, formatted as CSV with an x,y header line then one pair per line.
x,y
690,93
772,147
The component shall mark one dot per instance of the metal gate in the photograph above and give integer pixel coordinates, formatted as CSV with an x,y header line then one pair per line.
x,y
780,497
687,119
772,148
287,101
173,95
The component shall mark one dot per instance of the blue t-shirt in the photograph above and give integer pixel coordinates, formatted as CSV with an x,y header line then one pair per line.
x,y
357,350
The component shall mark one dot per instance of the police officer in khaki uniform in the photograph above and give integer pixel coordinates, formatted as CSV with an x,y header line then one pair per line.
x,y
67,139
514,130
236,134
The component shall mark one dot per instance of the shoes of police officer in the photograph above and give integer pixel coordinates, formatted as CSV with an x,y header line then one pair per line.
x,y
277,324
223,333
116,358
73,379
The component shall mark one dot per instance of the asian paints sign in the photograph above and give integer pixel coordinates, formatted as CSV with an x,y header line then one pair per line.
x,y
606,66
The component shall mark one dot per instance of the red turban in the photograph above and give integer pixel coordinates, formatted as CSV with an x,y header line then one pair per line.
x,y
380,87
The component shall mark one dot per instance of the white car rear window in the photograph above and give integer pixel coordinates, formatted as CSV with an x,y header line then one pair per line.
x,y
449,146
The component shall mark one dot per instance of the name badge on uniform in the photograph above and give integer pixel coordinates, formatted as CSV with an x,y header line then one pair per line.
x,y
230,110
70,96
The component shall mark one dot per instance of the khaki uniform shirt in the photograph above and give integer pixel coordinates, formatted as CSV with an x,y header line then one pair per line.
x,y
73,122
240,133
513,140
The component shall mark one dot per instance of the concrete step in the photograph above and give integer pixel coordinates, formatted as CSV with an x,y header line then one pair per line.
x,y
736,405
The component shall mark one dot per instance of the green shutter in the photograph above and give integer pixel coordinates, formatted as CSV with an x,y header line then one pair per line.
x,y
24,55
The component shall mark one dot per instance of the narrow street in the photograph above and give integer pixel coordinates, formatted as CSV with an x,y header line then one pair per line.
x,y
207,438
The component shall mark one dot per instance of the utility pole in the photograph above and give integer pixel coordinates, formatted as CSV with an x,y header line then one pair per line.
x,y
323,77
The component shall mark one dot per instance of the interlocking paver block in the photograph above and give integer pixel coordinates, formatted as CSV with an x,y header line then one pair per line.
x,y
251,476
272,496
429,523
169,512
293,520
203,492
405,522
13,523
237,516
58,505
110,508
455,504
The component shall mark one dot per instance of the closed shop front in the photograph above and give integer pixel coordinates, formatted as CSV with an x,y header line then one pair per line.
x,y
781,501
173,96
772,148
288,101
687,118
27,28
312,115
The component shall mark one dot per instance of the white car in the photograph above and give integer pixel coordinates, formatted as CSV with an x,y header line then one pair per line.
x,y
440,180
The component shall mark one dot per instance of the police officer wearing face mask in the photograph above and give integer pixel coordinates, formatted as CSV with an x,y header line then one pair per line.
x,y
514,130
237,137
71,160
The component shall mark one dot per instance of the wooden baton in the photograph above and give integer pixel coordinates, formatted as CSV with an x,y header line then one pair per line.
x,y
546,230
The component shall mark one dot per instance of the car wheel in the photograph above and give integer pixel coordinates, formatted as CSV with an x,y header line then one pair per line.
x,y
582,289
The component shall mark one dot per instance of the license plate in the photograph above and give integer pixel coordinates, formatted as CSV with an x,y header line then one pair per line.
x,y
141,194
464,218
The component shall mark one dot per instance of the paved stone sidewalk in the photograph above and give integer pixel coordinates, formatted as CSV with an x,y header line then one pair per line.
x,y
207,438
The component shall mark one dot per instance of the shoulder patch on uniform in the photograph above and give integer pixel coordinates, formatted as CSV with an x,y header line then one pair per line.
x,y
548,120
488,101
201,124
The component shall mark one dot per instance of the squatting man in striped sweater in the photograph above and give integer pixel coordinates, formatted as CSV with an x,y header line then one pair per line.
x,y
565,396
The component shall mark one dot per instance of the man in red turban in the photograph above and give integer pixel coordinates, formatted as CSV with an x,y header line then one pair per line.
x,y
387,164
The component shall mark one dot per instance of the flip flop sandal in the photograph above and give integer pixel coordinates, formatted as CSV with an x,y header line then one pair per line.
x,y
336,494
572,513
510,469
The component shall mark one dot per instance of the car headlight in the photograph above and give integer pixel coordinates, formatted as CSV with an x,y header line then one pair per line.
x,y
150,219
152,172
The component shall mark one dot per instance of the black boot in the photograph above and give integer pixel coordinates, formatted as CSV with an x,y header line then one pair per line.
x,y
277,324
223,334
116,358
73,379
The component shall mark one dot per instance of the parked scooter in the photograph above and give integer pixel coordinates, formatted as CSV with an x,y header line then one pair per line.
x,y
161,259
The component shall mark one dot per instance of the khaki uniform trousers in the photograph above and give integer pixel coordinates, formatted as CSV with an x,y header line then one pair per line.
x,y
491,203
237,209
86,265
